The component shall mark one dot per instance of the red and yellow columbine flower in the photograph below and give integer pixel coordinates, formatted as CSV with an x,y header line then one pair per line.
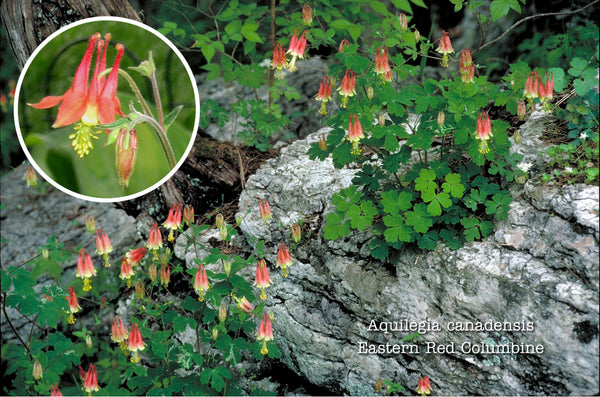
x,y
279,62
154,239
91,106
103,246
296,233
85,269
466,67
135,343
243,304
265,209
201,282
73,305
188,215
403,22
262,278
531,86
324,95
445,48
173,221
54,391
165,275
343,44
484,131
38,372
30,176
347,87
307,14
355,133
90,379
382,65
126,271
119,333
546,91
424,386
296,48
135,256
265,332
284,259
126,154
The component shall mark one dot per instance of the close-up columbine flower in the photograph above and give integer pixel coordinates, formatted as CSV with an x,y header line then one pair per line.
x,y
424,386
90,379
88,106
382,65
466,67
265,209
347,87
119,333
103,246
85,269
73,305
262,278
126,271
445,48
284,259
279,62
265,332
296,48
135,343
484,131
126,148
355,133
173,221
201,283
325,94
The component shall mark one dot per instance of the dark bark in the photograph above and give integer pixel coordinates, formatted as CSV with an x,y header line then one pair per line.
x,y
29,22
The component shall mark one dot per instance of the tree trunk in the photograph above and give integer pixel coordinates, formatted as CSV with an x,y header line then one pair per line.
x,y
29,22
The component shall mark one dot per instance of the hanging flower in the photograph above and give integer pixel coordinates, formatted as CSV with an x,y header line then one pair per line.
x,y
445,48
243,304
95,105
165,275
484,131
382,65
347,87
296,233
135,256
38,372
265,209
173,221
466,67
126,153
154,240
262,278
73,305
201,282
126,271
119,333
135,343
355,133
296,48
54,391
284,259
521,109
343,44
85,269
90,224
103,246
403,22
265,332
307,14
279,62
325,94
188,215
546,91
30,177
424,386
90,380
531,86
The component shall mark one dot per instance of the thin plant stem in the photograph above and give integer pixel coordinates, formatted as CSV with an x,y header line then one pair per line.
x,y
162,137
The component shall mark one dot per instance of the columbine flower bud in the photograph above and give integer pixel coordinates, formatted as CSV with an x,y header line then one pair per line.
x,y
227,267
30,176
370,92
139,290
307,14
403,22
188,215
215,333
88,341
45,253
223,232
219,221
126,152
441,118
296,233
521,109
90,224
38,372
264,209
222,312
417,36
165,275
322,143
152,272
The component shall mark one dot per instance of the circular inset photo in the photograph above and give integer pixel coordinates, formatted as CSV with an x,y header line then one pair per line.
x,y
106,109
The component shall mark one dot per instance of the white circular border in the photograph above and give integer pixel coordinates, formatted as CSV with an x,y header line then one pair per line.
x,y
192,81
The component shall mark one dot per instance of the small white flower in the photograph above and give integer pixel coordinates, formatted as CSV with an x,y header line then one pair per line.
x,y
525,166
583,135
568,170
